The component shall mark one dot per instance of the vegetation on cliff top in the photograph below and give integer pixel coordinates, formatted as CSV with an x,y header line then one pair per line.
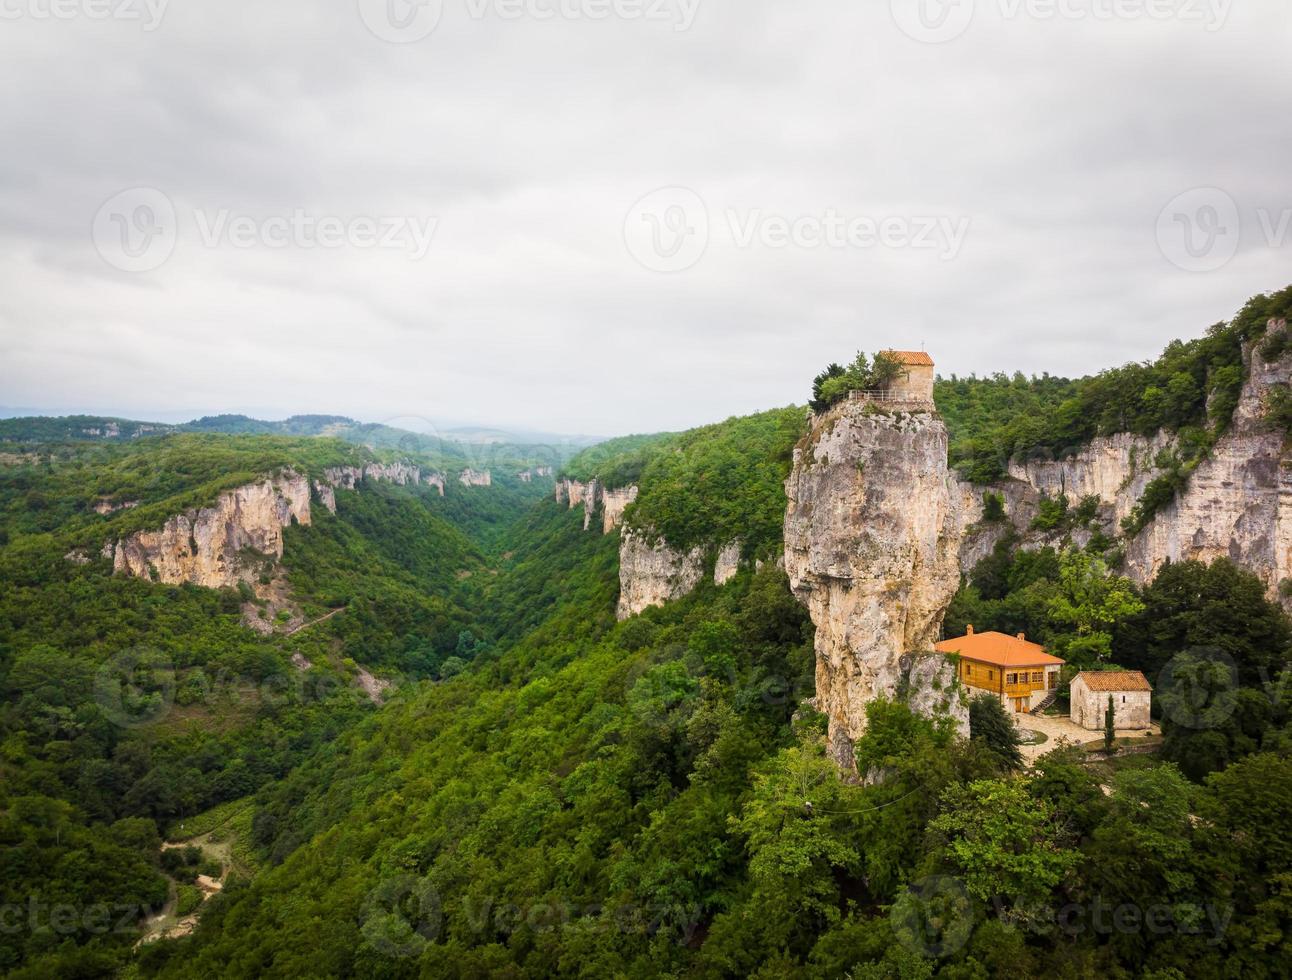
x,y
836,382
707,486
1191,389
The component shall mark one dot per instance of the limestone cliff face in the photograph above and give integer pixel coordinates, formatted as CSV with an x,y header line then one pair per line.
x,y
873,530
613,505
591,495
1238,502
651,571
350,477
476,478
1115,468
231,540
727,563
217,546
652,574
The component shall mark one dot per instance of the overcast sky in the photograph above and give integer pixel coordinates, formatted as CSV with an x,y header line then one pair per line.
x,y
604,216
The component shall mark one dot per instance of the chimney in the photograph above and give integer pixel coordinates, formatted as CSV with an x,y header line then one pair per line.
x,y
970,628
1022,636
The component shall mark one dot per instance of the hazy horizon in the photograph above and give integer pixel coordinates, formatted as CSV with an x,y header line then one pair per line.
x,y
607,216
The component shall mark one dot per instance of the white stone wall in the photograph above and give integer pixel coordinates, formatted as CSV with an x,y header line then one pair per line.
x,y
915,383
1130,708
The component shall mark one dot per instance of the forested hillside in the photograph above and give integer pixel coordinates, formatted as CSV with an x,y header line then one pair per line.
x,y
599,799
444,451
1192,388
439,753
706,486
130,706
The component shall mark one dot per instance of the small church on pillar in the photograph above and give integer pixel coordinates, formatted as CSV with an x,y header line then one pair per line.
x,y
915,383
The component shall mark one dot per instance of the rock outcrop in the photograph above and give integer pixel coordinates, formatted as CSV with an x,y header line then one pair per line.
x,y
1238,502
475,478
241,533
727,563
350,477
222,544
106,505
652,573
1115,468
591,495
873,530
613,505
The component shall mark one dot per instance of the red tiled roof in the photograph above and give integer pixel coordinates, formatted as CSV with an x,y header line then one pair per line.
x,y
998,649
1114,680
910,357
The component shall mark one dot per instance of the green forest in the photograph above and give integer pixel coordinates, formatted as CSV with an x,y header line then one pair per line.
x,y
444,756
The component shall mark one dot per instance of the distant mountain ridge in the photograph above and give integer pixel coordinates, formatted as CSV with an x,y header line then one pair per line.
x,y
460,448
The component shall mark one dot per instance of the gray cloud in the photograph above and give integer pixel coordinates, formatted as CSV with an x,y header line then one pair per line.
x,y
528,141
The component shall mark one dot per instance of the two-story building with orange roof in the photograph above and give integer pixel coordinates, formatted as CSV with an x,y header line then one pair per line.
x,y
1016,670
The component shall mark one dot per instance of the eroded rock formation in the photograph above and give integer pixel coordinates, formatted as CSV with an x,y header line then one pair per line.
x,y
652,573
222,544
591,495
873,529
237,537
1238,502
727,563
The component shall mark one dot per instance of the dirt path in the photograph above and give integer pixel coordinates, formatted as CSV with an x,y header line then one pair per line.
x,y
166,924
314,622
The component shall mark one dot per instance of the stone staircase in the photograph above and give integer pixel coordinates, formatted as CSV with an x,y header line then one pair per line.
x,y
1045,703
